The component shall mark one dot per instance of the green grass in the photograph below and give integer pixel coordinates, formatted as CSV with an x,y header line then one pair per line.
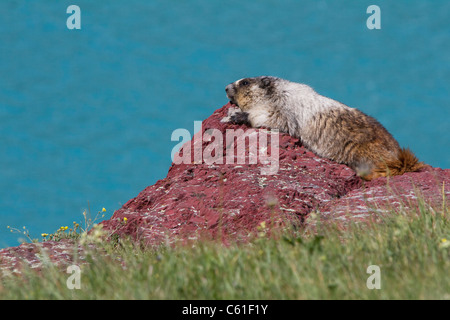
x,y
327,263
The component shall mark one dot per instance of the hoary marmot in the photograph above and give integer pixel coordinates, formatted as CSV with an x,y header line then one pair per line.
x,y
325,126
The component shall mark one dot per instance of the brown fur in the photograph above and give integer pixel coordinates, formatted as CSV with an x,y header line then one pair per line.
x,y
406,161
362,143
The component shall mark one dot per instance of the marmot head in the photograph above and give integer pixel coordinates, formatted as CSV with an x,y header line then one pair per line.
x,y
248,92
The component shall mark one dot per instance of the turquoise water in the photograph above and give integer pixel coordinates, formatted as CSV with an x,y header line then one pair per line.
x,y
86,115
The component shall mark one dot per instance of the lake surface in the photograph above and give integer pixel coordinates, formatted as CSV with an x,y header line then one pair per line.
x,y
86,115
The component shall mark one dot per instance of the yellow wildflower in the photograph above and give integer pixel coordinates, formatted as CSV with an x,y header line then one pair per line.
x,y
444,243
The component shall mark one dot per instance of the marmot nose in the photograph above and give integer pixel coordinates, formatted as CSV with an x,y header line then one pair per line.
x,y
228,88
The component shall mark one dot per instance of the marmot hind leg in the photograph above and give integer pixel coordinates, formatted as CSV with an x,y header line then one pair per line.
x,y
373,175
369,172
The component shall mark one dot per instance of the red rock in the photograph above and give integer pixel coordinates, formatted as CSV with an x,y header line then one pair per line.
x,y
228,202
34,255
384,195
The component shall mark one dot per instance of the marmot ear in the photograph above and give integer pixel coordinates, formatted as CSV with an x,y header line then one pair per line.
x,y
265,82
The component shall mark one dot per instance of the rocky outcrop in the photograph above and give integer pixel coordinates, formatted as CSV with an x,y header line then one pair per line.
x,y
232,202
34,255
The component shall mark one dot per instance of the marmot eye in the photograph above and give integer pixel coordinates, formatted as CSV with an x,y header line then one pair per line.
x,y
245,83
